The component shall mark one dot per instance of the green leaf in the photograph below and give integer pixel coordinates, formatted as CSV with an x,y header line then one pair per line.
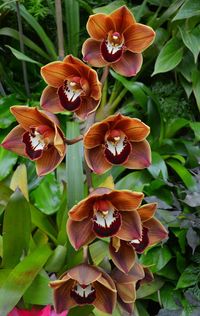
x,y
191,40
7,162
174,126
134,181
6,118
167,295
196,86
98,251
80,310
57,259
72,19
188,277
5,194
107,9
188,10
21,278
156,257
47,196
158,167
149,288
183,173
169,12
75,180
169,57
196,129
16,229
22,56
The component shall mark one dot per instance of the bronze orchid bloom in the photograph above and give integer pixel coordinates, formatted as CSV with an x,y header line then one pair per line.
x,y
105,213
117,140
84,284
72,86
37,137
123,253
117,40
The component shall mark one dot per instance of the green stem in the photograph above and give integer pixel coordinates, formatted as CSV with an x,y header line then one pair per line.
x,y
118,99
115,91
58,9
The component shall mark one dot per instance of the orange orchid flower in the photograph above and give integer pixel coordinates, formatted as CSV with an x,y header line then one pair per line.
x,y
123,253
117,140
72,86
117,40
105,213
84,284
37,137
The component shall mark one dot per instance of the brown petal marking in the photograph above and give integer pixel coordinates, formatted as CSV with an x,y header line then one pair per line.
x,y
74,228
87,106
50,101
124,258
99,25
62,297
48,162
95,136
126,292
140,156
131,227
96,161
138,37
83,209
129,64
134,129
157,231
84,273
92,53
13,141
105,298
122,18
125,200
147,211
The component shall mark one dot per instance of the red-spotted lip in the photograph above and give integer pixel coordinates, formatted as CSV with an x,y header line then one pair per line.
x,y
34,151
119,157
83,294
69,104
106,227
142,244
110,57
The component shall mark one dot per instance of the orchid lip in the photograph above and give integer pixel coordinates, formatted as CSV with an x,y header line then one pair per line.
x,y
117,150
34,144
69,95
106,223
142,243
83,294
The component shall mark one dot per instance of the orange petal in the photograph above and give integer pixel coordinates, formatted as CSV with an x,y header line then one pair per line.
x,y
95,85
129,64
48,162
96,161
84,273
59,141
62,297
125,200
56,72
88,105
138,37
105,298
122,18
13,141
131,227
134,128
157,231
147,211
140,156
50,101
95,136
92,54
99,25
76,239
83,209
107,281
124,258
126,292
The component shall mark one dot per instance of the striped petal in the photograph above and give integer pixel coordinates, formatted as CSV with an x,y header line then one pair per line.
x,y
140,156
92,53
50,101
129,64
99,25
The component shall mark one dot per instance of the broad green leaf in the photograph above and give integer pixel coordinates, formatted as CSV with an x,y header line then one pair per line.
x,y
19,180
155,120
16,229
5,194
196,86
196,129
107,9
188,277
156,257
108,183
134,181
7,161
22,56
72,19
4,273
141,309
6,118
169,57
80,310
183,173
116,312
75,181
187,86
149,288
167,295
158,167
98,251
57,259
191,40
47,196
188,10
169,12
174,126
1,246
21,278
187,66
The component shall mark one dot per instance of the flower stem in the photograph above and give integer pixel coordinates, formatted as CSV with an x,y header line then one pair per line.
x,y
74,140
59,25
104,74
85,254
118,99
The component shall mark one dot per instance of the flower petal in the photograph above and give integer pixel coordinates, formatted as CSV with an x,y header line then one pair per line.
x,y
105,298
157,231
92,53
99,25
129,64
50,101
62,297
140,156
84,273
96,161
95,85
131,227
107,281
75,227
138,37
136,273
87,106
147,211
124,258
56,72
48,162
122,18
126,292
95,135
13,141
134,129
83,209
125,200
59,141
127,307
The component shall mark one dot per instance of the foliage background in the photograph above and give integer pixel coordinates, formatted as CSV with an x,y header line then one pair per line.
x,y
165,95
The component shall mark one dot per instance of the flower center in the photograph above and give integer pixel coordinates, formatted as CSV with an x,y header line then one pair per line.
x,y
112,48
106,220
141,244
69,94
83,294
117,147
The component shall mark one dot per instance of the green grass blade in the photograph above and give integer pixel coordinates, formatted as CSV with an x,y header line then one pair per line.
x,y
72,21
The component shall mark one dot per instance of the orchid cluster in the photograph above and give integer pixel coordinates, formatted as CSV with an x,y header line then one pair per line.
x,y
116,41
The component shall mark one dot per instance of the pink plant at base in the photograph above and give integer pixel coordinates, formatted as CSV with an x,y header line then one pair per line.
x,y
46,311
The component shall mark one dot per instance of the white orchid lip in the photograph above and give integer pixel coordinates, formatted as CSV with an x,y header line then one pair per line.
x,y
70,95
34,144
112,48
83,294
141,243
